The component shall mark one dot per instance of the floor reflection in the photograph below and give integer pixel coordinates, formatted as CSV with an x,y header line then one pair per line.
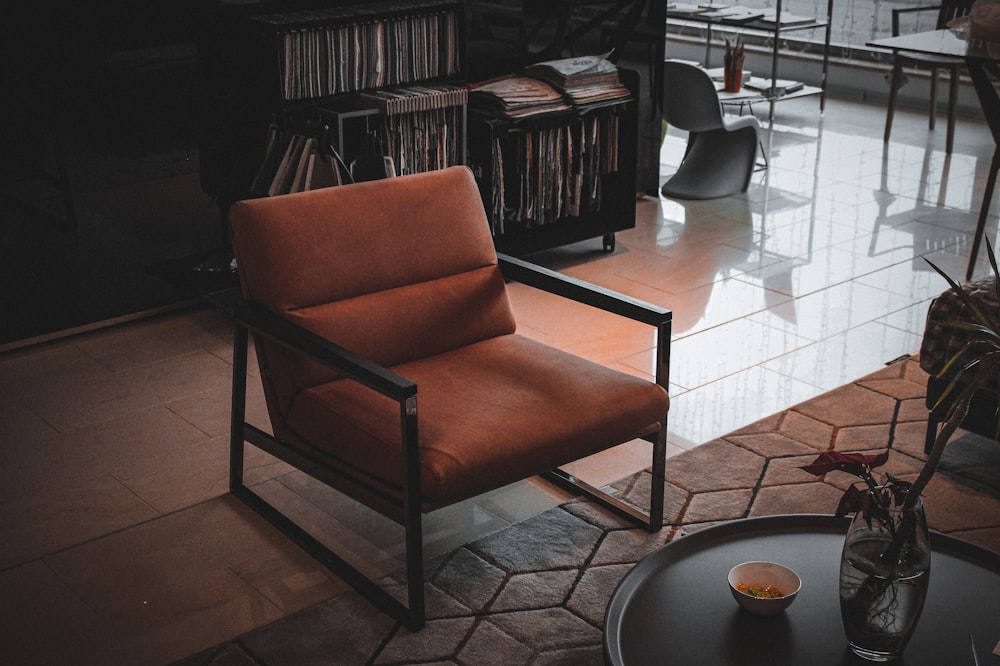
x,y
815,276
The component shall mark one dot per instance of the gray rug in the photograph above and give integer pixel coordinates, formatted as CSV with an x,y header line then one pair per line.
x,y
535,593
976,459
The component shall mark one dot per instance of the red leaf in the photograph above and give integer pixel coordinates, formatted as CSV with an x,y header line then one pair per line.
x,y
857,464
850,502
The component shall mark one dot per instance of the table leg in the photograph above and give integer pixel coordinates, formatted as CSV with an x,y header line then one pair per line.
x,y
983,214
989,100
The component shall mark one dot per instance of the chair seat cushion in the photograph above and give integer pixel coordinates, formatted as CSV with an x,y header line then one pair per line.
x,y
490,413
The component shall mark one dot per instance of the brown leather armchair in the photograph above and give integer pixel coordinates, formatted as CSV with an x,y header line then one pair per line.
x,y
392,369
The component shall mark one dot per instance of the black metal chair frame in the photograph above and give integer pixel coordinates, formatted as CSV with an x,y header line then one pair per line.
x,y
251,318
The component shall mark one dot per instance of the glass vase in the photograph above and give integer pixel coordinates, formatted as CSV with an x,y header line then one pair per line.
x,y
884,571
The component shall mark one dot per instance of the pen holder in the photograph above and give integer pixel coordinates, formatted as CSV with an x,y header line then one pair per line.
x,y
732,79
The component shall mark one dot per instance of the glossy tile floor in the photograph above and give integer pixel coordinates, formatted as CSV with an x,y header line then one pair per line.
x,y
120,544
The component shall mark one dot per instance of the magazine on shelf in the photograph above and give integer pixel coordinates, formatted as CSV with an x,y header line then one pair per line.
x,y
741,18
770,18
686,9
574,69
585,80
781,87
733,14
517,96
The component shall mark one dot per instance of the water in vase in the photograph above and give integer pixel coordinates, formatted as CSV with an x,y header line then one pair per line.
x,y
881,603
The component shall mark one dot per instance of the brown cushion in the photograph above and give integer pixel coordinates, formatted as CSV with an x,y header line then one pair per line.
x,y
489,414
301,250
394,270
397,326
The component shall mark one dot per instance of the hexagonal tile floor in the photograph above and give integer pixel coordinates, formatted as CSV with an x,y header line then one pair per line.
x,y
535,593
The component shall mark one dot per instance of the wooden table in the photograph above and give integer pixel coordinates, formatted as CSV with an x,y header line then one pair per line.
x,y
675,608
981,60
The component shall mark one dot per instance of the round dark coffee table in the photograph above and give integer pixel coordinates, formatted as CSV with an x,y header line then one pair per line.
x,y
675,608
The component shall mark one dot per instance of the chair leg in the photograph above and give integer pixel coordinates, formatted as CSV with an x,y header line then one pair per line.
x,y
897,72
237,432
932,114
656,483
652,521
412,616
413,518
952,104
984,211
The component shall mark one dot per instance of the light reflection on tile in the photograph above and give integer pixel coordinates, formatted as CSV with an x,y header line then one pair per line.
x,y
718,408
831,311
724,350
843,357
911,319
720,302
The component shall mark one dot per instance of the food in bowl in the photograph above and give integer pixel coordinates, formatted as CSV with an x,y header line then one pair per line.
x,y
759,591
763,588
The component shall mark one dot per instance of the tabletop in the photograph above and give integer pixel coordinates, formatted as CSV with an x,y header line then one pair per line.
x,y
948,42
675,607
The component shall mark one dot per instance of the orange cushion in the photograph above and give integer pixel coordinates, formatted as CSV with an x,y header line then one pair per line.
x,y
394,270
301,250
397,326
490,414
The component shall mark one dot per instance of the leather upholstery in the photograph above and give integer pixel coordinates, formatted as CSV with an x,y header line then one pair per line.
x,y
491,413
403,271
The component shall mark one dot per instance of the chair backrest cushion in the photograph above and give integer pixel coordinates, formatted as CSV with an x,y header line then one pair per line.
x,y
690,101
395,270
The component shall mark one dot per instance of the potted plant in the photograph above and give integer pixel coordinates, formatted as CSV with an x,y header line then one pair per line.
x,y
885,562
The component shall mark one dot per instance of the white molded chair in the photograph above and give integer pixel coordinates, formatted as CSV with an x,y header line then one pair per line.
x,y
721,151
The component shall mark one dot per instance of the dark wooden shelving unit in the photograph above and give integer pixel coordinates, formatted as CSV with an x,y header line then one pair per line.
x,y
310,71
306,71
615,207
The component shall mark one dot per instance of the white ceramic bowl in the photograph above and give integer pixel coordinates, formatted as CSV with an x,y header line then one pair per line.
x,y
764,574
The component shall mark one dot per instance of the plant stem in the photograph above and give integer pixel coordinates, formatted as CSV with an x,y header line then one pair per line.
x,y
955,418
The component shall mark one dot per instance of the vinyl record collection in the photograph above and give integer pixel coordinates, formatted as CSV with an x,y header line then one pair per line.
x,y
348,52
545,172
416,129
422,126
555,135
425,140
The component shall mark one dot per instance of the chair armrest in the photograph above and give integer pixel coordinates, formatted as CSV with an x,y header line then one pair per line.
x,y
548,280
266,323
909,10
